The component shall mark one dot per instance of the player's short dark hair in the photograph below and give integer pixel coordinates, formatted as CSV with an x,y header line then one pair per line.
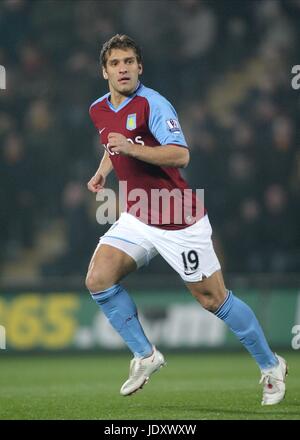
x,y
119,42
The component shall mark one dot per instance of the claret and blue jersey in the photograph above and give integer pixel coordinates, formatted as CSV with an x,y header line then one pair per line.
x,y
144,118
145,115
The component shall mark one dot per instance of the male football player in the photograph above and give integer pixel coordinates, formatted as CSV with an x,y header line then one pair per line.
x,y
145,146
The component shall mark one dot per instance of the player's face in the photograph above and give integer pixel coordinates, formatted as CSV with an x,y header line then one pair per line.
x,y
122,71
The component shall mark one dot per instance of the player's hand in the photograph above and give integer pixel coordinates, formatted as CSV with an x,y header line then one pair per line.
x,y
119,143
96,183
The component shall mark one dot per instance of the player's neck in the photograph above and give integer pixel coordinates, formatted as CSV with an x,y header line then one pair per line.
x,y
116,98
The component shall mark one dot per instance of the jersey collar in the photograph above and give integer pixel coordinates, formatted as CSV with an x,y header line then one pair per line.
x,y
125,102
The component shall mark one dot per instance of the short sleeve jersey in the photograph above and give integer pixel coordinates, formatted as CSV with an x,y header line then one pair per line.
x,y
147,118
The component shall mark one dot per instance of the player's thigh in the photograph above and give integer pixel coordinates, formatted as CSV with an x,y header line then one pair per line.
x,y
189,251
107,267
210,292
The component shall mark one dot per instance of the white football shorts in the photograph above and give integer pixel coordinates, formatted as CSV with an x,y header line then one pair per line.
x,y
188,251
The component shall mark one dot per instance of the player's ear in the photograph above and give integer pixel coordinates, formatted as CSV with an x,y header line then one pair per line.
x,y
140,69
105,76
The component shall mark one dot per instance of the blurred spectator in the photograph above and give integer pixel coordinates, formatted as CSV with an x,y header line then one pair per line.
x,y
243,236
278,230
18,198
79,241
197,29
45,140
250,236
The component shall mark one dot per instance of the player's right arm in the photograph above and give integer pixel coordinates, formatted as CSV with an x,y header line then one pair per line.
x,y
97,182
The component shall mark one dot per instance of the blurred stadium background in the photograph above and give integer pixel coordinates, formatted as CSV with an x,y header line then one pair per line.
x,y
226,66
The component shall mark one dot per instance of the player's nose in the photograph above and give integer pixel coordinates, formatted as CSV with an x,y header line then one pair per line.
x,y
123,68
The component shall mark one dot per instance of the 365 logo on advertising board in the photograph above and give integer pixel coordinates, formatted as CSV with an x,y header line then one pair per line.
x,y
2,78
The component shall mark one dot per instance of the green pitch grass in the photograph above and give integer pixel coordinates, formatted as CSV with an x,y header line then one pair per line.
x,y
193,386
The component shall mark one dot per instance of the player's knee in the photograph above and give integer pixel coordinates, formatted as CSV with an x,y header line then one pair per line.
x,y
97,281
209,300
209,303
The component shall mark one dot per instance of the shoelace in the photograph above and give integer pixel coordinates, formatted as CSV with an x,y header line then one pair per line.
x,y
268,379
132,364
265,378
269,385
136,368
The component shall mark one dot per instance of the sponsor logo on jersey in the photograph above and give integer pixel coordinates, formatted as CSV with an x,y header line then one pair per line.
x,y
173,126
131,122
137,140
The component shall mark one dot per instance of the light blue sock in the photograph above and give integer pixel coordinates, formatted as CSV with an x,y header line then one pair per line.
x,y
243,323
121,312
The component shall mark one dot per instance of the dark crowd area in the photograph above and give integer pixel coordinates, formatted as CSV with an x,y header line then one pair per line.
x,y
226,67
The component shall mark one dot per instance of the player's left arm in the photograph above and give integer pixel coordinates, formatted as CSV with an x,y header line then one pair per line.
x,y
161,155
